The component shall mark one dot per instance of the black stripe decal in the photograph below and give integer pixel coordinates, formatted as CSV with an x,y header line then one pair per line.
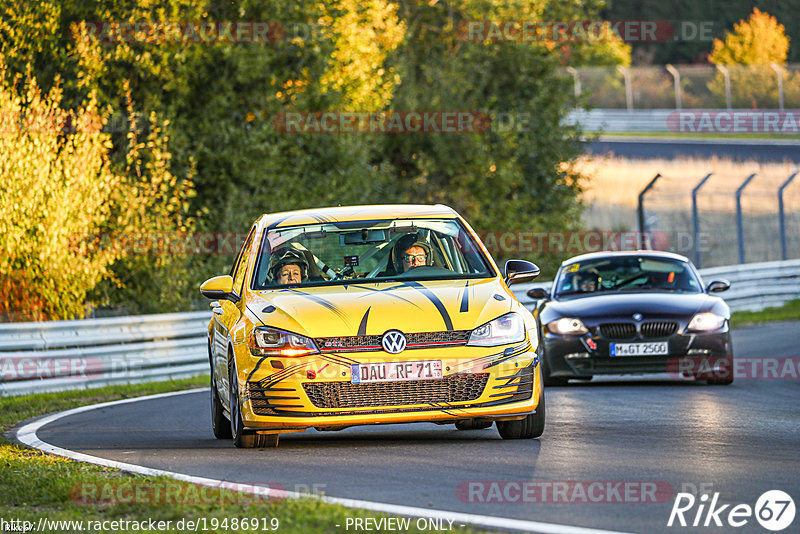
x,y
324,302
258,364
465,299
362,328
435,300
387,291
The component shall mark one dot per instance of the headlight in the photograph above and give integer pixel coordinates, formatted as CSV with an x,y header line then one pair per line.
x,y
706,321
266,341
567,325
509,328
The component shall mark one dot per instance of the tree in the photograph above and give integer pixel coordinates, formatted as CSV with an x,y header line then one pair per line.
x,y
760,40
749,53
60,196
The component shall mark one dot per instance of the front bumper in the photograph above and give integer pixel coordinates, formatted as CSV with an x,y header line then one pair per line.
x,y
588,355
317,391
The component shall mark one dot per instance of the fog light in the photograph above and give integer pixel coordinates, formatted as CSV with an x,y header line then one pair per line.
x,y
575,355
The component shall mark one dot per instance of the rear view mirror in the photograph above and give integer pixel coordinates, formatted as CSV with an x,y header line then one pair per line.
x,y
718,285
519,271
363,237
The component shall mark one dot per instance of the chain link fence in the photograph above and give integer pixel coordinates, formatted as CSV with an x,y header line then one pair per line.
x,y
724,219
688,87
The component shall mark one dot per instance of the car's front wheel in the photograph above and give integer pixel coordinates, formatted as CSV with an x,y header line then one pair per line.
x,y
219,423
241,439
550,380
532,426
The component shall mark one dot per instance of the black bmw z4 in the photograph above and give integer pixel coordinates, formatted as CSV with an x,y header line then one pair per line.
x,y
633,312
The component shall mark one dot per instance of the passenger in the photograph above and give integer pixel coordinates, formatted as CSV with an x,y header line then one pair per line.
x,y
288,266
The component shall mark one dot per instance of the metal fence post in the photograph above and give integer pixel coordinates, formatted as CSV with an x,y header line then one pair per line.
x,y
739,224
640,209
698,257
727,75
576,80
676,77
781,219
779,73
626,75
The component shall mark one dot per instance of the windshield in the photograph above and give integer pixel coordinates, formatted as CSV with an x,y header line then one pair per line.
x,y
626,273
326,254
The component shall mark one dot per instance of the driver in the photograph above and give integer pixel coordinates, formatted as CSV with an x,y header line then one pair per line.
x,y
408,253
288,266
412,253
588,282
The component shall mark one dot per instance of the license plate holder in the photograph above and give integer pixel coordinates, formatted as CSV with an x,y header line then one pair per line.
x,y
365,373
649,348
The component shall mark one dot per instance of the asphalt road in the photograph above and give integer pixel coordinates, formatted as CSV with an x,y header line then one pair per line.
x,y
739,440
735,149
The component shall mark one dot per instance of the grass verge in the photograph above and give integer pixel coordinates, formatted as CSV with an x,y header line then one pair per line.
x,y
787,312
36,487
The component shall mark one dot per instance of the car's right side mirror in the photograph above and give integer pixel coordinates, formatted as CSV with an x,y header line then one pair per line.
x,y
520,271
718,285
219,287
538,293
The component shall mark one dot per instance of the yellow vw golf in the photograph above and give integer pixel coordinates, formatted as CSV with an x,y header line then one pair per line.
x,y
366,315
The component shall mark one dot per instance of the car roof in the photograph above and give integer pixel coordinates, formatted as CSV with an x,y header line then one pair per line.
x,y
356,213
624,253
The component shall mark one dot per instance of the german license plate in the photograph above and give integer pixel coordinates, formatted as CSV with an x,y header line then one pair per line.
x,y
655,348
396,371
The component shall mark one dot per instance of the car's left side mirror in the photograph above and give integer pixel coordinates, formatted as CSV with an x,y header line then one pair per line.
x,y
519,271
538,293
718,285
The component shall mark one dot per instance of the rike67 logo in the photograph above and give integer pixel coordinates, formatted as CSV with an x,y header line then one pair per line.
x,y
774,510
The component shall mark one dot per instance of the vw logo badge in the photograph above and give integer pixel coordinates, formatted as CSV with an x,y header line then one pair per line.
x,y
394,342
637,316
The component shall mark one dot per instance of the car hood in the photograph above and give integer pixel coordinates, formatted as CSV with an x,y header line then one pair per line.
x,y
649,304
372,309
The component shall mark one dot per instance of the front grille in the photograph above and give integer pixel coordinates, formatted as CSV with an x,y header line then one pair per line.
x,y
659,329
417,340
454,388
618,330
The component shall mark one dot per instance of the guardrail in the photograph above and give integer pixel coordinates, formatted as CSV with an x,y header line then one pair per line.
x,y
64,355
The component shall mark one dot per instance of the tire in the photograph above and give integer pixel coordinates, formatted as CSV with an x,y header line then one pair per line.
x,y
724,380
719,381
472,424
530,427
219,423
242,439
